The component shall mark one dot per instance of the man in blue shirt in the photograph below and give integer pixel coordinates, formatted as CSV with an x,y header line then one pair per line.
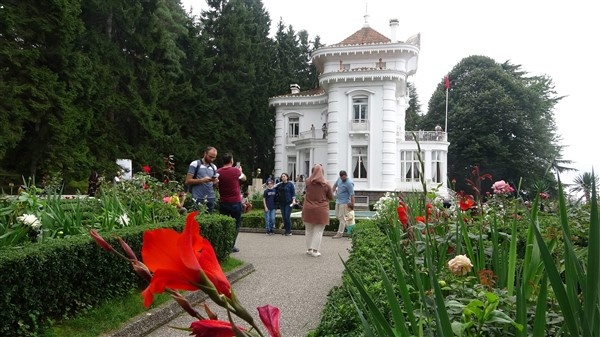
x,y
344,196
202,176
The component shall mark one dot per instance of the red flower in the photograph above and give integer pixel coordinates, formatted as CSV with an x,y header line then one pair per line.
x,y
146,169
146,186
178,261
402,215
269,315
420,219
212,328
429,208
466,202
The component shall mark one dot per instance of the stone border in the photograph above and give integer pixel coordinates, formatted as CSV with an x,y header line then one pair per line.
x,y
153,319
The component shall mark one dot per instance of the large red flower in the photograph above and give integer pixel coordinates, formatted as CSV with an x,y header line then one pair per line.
x,y
212,328
269,315
178,259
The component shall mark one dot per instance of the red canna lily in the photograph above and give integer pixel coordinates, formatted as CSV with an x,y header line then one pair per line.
x,y
212,328
420,219
178,261
402,214
466,202
269,315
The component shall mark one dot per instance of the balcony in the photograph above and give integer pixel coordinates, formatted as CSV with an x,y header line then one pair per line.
x,y
425,136
359,125
306,135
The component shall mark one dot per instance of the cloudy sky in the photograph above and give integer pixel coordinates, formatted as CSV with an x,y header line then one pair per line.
x,y
545,37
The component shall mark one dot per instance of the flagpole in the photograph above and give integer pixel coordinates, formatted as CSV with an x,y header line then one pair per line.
x,y
446,126
447,86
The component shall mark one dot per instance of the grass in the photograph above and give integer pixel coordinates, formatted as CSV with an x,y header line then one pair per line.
x,y
114,313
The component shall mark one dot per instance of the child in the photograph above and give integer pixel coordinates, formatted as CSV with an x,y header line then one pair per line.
x,y
269,205
350,219
246,204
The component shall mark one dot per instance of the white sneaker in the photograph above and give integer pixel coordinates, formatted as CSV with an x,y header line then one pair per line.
x,y
337,236
315,254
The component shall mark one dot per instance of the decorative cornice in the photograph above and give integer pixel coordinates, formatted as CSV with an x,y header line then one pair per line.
x,y
369,49
362,75
298,99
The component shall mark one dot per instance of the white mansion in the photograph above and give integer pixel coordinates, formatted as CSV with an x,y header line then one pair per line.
x,y
355,120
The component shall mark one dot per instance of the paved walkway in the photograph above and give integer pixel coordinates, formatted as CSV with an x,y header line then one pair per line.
x,y
284,277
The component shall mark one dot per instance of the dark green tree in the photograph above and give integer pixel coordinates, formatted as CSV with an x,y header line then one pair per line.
x,y
413,113
499,118
240,48
42,76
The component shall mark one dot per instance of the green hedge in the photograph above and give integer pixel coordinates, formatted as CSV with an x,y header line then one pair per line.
x,y
41,282
256,219
339,316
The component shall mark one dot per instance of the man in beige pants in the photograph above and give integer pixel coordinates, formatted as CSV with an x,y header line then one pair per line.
x,y
344,196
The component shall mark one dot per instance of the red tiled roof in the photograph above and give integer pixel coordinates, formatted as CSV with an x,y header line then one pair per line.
x,y
365,35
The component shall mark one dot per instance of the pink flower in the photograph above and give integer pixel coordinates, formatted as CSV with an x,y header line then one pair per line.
x,y
544,195
167,200
269,315
501,187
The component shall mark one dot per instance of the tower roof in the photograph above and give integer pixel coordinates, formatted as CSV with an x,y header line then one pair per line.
x,y
365,35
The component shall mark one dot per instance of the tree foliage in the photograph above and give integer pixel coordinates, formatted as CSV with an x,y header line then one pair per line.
x,y
86,83
499,118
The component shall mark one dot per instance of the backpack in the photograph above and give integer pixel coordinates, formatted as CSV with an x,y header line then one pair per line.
x,y
188,188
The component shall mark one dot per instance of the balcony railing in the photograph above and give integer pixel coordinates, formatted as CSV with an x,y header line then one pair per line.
x,y
359,125
427,136
310,134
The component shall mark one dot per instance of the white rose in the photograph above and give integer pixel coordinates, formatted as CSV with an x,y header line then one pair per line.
x,y
30,220
460,265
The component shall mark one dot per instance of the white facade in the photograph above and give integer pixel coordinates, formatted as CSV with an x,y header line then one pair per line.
x,y
362,100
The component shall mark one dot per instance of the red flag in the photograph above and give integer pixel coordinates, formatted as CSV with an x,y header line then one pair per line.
x,y
447,82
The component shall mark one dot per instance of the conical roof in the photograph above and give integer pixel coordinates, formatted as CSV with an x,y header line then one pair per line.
x,y
365,35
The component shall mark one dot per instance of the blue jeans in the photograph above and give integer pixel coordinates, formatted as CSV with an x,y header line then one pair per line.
x,y
270,220
286,212
234,210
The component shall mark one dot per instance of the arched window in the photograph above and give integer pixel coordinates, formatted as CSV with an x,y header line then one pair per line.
x,y
360,108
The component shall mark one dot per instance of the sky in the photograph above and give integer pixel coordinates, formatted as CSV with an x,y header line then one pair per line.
x,y
545,37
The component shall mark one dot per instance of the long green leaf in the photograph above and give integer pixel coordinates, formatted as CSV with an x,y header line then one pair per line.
x,y
379,321
539,320
441,314
397,314
400,275
591,300
560,292
574,275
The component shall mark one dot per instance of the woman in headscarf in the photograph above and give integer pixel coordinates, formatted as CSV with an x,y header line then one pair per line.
x,y
315,212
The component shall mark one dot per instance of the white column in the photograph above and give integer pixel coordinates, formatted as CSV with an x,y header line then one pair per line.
x,y
280,150
336,129
389,152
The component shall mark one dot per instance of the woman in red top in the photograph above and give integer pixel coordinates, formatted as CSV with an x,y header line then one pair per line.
x,y
315,211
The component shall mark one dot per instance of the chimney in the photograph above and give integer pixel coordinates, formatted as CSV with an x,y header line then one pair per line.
x,y
394,23
295,88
